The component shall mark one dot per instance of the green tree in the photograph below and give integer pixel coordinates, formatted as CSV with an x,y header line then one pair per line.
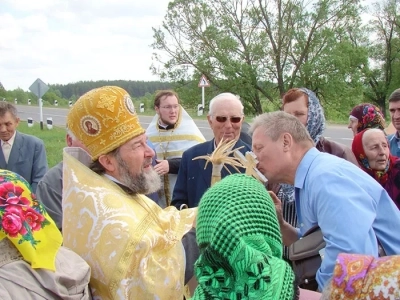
x,y
3,92
383,76
259,49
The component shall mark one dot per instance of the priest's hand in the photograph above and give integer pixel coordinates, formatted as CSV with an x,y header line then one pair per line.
x,y
162,167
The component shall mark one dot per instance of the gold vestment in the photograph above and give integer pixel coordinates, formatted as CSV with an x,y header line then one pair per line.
x,y
133,246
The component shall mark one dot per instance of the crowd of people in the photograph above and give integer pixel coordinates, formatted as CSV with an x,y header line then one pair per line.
x,y
161,213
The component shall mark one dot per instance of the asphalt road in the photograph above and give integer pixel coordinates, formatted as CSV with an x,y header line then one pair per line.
x,y
338,133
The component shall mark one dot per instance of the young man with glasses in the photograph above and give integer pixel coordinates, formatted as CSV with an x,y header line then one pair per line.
x,y
171,131
225,118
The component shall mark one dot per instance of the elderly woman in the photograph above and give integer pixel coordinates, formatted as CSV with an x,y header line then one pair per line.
x,y
33,264
365,116
371,149
241,246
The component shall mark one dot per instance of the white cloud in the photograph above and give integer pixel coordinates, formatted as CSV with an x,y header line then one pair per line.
x,y
68,41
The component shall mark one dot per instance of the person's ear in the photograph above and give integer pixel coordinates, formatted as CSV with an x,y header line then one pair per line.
x,y
68,140
209,120
287,141
108,162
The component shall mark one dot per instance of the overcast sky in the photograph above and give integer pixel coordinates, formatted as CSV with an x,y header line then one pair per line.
x,y
63,41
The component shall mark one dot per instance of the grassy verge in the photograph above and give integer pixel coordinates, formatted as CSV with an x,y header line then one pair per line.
x,y
54,140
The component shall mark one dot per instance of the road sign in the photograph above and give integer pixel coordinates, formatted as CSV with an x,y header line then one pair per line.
x,y
203,81
39,88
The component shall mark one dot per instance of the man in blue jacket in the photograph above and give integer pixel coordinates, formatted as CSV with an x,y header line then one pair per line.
x,y
225,118
21,153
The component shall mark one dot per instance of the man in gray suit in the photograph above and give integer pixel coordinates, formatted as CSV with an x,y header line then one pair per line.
x,y
21,153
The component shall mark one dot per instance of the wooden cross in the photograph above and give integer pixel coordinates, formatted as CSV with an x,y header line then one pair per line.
x,y
249,162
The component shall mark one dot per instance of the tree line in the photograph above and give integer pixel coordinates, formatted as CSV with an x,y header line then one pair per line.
x,y
346,52
66,93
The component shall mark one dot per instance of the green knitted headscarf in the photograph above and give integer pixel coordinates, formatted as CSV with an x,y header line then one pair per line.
x,y
240,244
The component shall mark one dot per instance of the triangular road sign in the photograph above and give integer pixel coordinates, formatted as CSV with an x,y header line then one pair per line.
x,y
203,81
39,88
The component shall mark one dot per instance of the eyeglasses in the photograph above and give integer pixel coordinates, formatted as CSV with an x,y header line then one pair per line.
x,y
232,119
169,107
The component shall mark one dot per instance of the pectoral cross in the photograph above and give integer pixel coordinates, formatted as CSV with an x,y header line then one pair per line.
x,y
249,162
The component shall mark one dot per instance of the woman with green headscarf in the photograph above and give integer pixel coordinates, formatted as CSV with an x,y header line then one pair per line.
x,y
33,264
240,245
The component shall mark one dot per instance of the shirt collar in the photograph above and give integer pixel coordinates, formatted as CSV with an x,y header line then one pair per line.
x,y
304,166
123,186
112,178
11,140
165,127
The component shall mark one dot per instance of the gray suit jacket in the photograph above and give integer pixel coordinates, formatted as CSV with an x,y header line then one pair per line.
x,y
27,158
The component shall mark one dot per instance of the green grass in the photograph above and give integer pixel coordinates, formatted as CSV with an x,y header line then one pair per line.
x,y
54,140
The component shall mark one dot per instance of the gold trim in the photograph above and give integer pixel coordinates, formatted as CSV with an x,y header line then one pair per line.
x,y
188,137
166,190
162,155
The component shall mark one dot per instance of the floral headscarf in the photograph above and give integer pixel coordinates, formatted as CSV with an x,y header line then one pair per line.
x,y
316,118
25,222
368,116
358,150
358,276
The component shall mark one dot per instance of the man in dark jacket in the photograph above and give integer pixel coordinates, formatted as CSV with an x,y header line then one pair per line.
x,y
225,118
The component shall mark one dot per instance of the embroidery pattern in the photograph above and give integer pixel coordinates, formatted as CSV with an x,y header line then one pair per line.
x,y
129,104
107,101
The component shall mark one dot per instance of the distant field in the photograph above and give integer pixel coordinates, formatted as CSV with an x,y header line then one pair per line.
x,y
54,140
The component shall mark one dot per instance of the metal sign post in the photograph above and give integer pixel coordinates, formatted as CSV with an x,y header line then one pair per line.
x,y
203,83
39,88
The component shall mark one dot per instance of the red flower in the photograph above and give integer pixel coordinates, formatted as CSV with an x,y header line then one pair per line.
x,y
11,194
33,218
13,220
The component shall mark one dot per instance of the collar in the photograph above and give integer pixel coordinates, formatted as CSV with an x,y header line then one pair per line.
x,y
304,166
165,127
119,183
10,141
112,178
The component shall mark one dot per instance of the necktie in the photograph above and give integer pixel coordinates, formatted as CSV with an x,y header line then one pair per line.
x,y
6,150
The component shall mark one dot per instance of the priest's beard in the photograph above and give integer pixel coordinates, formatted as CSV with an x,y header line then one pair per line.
x,y
146,182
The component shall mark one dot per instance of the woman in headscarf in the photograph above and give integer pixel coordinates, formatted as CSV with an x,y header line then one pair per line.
x,y
240,245
358,276
33,264
371,149
304,104
364,116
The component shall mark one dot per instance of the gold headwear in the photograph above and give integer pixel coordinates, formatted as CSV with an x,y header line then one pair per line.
x,y
104,119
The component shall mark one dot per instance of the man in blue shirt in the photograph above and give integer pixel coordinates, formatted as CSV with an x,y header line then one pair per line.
x,y
394,110
351,208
